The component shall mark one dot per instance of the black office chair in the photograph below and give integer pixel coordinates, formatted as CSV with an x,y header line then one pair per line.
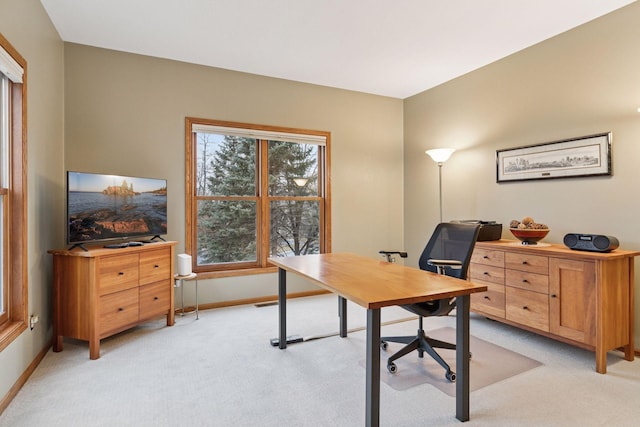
x,y
447,252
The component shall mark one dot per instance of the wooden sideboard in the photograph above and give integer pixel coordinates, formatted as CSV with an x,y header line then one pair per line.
x,y
100,292
578,297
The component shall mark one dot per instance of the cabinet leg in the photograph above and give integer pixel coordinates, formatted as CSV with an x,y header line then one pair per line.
x,y
57,343
94,349
601,362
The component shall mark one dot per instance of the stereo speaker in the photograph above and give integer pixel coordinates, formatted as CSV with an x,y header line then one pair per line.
x,y
184,265
590,242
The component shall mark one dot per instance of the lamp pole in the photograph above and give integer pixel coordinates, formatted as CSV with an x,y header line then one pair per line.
x,y
440,187
440,155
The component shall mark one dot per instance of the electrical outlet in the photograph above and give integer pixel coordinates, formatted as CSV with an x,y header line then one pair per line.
x,y
33,319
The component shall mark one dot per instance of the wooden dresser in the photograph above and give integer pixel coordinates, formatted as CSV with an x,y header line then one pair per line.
x,y
581,298
100,292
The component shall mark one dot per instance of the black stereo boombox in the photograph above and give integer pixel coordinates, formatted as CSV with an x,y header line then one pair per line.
x,y
590,242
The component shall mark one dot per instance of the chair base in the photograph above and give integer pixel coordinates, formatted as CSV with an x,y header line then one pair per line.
x,y
420,343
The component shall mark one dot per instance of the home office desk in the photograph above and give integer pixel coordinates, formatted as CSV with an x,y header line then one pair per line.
x,y
375,284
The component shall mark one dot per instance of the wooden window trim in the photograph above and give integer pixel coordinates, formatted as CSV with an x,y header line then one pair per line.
x,y
261,267
17,200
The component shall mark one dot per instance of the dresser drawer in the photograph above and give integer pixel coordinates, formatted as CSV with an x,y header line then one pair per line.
x,y
490,302
117,273
118,310
527,308
486,273
488,257
154,299
528,281
526,262
155,266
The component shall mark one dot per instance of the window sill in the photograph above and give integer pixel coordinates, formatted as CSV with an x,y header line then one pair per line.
x,y
235,273
9,332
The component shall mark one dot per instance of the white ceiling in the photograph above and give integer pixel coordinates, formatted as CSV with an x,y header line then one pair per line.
x,y
394,48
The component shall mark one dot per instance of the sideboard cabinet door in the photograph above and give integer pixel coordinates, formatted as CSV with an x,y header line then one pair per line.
x,y
572,299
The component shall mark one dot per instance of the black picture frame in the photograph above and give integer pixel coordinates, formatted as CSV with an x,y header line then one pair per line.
x,y
584,156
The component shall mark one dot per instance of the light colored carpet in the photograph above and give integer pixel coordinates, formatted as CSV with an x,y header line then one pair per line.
x,y
489,364
221,371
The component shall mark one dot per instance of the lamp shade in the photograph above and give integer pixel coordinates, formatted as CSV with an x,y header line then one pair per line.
x,y
440,155
300,182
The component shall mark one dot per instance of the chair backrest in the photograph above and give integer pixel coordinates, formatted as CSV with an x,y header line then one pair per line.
x,y
451,241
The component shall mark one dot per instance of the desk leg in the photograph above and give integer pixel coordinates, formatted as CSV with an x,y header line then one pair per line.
x,y
342,313
373,368
462,357
282,307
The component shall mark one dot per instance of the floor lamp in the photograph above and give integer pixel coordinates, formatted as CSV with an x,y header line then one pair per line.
x,y
440,155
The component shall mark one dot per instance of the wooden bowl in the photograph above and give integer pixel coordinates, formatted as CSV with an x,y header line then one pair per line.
x,y
529,236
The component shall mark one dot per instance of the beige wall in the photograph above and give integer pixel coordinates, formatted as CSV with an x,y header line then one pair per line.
x,y
582,82
125,114
27,27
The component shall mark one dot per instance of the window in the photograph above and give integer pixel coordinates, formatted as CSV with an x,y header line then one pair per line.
x,y
4,194
253,192
13,234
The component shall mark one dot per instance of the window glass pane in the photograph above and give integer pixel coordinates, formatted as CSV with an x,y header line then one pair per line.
x,y
4,173
4,130
225,165
293,169
3,286
295,227
226,231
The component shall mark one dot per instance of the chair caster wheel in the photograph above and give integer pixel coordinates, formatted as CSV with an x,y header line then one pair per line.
x,y
392,368
383,345
450,376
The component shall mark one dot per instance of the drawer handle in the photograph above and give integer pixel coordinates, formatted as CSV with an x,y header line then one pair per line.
x,y
155,298
121,273
525,307
485,257
120,309
486,273
487,297
525,281
156,266
524,262
554,296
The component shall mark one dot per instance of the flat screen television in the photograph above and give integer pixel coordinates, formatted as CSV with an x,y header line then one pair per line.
x,y
103,208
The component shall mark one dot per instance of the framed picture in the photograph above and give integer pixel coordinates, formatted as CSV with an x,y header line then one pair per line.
x,y
569,158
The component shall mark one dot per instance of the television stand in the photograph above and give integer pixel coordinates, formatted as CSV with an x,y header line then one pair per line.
x,y
99,293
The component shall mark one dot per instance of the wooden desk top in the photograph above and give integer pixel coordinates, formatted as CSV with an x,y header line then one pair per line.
x,y
374,284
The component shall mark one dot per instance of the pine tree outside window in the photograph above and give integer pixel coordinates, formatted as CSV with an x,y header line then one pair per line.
x,y
253,192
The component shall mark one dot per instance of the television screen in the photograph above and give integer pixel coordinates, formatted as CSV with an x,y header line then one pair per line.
x,y
107,207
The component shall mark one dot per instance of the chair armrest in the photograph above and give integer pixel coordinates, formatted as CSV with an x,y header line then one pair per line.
x,y
401,253
453,263
389,254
